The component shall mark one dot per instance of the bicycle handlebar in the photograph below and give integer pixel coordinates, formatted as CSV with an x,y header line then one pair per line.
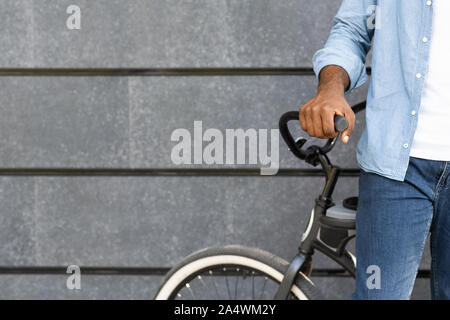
x,y
340,124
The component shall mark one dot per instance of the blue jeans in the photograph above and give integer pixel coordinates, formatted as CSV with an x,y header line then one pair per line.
x,y
392,225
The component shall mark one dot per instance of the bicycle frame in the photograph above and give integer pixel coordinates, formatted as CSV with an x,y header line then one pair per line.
x,y
323,202
310,240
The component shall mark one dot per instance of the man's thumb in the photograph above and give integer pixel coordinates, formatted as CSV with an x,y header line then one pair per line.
x,y
345,136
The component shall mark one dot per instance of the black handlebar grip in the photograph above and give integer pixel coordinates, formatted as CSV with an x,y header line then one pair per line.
x,y
340,123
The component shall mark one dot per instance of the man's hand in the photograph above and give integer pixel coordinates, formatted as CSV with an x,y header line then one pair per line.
x,y
317,115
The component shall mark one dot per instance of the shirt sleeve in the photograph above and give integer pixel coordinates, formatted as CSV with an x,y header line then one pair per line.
x,y
350,40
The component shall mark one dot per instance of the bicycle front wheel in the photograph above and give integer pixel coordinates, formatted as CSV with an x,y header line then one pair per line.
x,y
230,273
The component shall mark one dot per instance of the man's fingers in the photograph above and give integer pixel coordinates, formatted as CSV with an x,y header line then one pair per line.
x,y
317,123
328,125
310,122
302,119
345,136
317,119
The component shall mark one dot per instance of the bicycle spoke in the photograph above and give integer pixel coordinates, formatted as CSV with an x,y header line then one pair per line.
x,y
190,290
264,287
253,285
203,283
228,286
214,283
236,286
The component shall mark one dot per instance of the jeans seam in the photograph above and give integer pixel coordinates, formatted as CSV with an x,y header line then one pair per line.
x,y
423,247
434,268
438,185
434,272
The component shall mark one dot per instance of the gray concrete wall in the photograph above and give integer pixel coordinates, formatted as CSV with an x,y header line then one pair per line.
x,y
101,122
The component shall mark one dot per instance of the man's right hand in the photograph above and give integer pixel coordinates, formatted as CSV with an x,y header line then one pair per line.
x,y
317,115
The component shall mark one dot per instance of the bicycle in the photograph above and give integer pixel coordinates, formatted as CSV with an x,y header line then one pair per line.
x,y
205,273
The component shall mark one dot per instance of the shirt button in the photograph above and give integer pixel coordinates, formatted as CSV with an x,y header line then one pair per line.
x,y
429,3
414,112
405,146
425,39
419,75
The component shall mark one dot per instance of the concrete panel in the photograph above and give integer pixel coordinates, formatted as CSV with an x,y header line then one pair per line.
x,y
16,36
106,122
17,221
53,287
69,122
156,221
157,33
222,103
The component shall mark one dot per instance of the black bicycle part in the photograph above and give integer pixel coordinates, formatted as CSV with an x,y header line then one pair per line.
x,y
350,203
316,155
289,277
340,123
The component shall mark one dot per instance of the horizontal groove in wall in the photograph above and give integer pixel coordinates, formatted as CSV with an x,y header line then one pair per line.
x,y
167,172
104,271
149,271
158,72
142,72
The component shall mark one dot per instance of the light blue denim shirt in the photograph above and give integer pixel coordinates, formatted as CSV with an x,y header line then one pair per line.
x,y
400,41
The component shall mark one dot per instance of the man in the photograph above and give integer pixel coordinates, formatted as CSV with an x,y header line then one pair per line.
x,y
404,151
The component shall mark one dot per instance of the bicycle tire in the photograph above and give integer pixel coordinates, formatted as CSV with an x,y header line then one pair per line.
x,y
236,255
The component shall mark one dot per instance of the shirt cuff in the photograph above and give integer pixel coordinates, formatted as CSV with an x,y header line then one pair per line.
x,y
354,67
